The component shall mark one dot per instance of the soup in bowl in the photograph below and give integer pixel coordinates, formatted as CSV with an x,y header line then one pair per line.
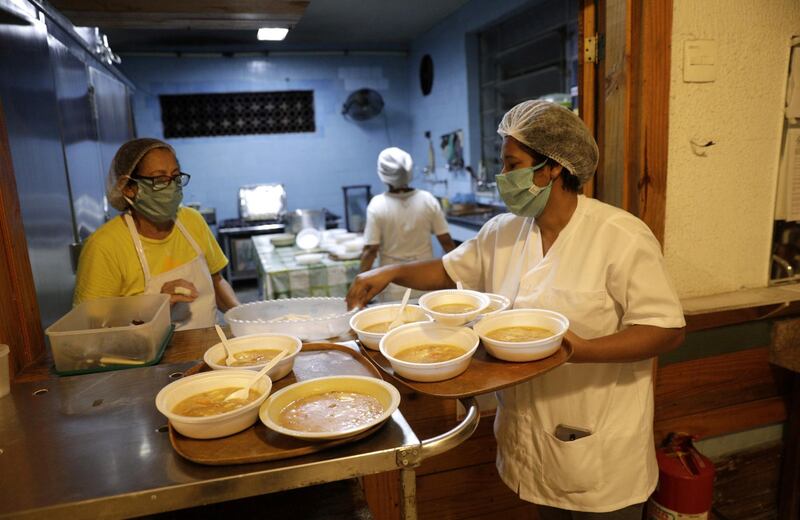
x,y
195,404
370,324
429,351
256,350
330,407
454,306
522,334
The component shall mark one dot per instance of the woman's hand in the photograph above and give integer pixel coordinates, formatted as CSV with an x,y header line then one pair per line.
x,y
180,290
366,286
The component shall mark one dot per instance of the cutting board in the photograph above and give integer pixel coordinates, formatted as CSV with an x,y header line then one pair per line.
x,y
260,444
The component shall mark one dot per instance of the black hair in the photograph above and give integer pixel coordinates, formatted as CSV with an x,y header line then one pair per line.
x,y
569,182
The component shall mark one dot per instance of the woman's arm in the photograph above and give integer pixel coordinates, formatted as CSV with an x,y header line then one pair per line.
x,y
223,292
632,344
425,276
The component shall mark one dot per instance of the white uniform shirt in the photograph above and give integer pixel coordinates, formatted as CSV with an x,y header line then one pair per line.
x,y
402,224
605,272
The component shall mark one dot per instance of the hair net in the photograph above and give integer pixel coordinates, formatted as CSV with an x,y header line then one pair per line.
x,y
555,132
395,167
125,161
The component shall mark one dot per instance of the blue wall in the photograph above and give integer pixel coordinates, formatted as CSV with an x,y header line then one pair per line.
x,y
453,102
312,166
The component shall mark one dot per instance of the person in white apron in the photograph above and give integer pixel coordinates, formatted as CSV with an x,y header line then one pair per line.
x,y
603,269
401,220
145,183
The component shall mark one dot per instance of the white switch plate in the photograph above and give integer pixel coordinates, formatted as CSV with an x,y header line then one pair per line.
x,y
699,61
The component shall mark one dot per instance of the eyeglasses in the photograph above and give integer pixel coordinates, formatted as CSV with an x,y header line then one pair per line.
x,y
162,181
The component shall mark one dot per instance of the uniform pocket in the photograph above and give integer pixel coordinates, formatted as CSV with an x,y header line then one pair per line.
x,y
572,466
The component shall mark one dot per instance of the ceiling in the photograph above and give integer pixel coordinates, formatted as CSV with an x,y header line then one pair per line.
x,y
211,25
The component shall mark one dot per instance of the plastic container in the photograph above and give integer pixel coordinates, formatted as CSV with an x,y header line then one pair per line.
x,y
102,332
373,315
478,302
309,319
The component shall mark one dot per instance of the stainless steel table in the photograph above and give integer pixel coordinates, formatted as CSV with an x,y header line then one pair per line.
x,y
95,446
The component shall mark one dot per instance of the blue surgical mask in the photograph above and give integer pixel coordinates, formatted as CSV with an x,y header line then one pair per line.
x,y
521,195
158,206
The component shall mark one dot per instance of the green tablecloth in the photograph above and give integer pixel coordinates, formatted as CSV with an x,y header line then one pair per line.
x,y
279,275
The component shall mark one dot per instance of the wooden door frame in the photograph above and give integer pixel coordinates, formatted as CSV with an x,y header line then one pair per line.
x,y
20,323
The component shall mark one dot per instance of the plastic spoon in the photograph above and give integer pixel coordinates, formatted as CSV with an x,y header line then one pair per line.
x,y
459,286
242,393
399,319
231,359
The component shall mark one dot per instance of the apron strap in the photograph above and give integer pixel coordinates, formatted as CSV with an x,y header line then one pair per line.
x,y
510,286
189,238
137,245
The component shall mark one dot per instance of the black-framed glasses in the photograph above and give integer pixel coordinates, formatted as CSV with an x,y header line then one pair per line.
x,y
162,181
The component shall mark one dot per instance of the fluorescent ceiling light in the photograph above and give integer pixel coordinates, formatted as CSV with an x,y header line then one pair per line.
x,y
272,33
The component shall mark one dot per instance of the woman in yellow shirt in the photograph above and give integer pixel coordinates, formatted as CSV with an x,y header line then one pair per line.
x,y
154,246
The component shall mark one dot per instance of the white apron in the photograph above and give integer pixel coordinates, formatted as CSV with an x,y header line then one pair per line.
x,y
200,313
394,292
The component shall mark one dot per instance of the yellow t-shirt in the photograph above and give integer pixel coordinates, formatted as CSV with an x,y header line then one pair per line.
x,y
109,266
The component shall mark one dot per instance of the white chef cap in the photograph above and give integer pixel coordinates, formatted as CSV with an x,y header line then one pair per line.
x,y
555,132
395,167
125,161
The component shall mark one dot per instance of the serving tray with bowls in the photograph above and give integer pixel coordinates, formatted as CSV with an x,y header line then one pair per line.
x,y
258,443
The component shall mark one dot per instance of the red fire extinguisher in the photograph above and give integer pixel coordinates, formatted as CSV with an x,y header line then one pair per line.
x,y
685,481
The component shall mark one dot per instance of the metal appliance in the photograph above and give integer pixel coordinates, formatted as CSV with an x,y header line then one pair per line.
x,y
305,218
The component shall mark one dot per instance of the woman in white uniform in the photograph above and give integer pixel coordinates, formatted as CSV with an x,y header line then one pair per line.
x,y
401,220
155,246
578,440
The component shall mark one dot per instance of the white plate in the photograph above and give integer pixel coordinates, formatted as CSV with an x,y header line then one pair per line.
x,y
345,255
281,239
309,259
308,238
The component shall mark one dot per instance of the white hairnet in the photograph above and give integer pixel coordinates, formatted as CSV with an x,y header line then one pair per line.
x,y
555,132
125,161
395,167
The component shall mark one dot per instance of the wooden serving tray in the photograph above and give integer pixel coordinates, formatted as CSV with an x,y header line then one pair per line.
x,y
258,443
483,375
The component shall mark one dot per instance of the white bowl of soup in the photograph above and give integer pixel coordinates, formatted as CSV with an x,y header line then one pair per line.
x,y
429,352
454,306
330,407
195,405
371,324
256,350
497,303
522,334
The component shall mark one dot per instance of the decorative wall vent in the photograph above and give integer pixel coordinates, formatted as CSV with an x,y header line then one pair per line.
x,y
238,113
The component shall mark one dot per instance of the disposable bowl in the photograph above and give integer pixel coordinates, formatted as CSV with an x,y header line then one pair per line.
x,y
365,318
452,296
497,303
215,356
527,350
213,426
309,319
415,334
385,393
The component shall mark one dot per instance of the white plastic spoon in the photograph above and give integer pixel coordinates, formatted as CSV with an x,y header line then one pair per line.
x,y
399,319
231,359
243,393
459,286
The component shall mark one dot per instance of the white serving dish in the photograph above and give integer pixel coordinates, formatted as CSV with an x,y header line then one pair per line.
x,y
101,330
213,426
374,315
385,393
354,245
523,351
326,318
310,258
282,239
290,344
308,239
421,333
501,302
450,296
345,237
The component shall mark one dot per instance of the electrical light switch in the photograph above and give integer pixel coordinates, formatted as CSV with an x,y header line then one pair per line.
x,y
699,61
